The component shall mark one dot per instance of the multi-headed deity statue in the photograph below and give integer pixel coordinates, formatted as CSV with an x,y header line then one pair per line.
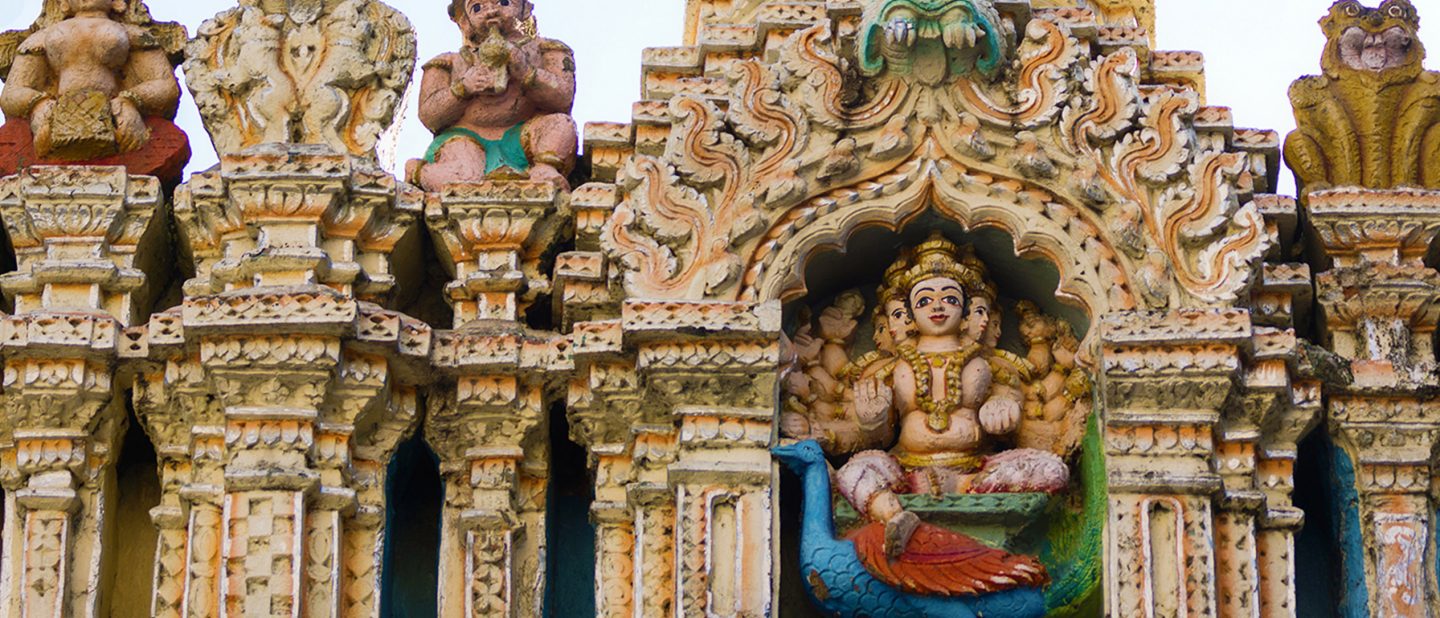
x,y
500,107
958,414
86,79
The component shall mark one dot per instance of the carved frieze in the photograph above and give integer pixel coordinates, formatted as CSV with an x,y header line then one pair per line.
x,y
1158,188
329,73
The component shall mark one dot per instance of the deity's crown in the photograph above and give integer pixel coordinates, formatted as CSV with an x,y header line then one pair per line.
x,y
938,257
891,288
979,285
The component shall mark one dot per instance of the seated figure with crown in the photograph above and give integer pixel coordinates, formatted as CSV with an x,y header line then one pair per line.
x,y
958,415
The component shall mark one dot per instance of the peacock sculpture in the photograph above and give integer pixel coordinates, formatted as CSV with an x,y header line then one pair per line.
x,y
939,574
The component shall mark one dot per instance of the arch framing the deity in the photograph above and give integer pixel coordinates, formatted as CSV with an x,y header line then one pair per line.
x,y
1093,275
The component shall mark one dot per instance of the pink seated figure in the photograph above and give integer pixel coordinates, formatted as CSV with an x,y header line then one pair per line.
x,y
500,107
953,409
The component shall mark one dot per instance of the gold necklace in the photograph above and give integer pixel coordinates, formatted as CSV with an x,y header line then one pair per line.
x,y
937,412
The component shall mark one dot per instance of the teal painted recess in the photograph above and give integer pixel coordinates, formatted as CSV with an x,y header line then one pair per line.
x,y
1345,505
1317,563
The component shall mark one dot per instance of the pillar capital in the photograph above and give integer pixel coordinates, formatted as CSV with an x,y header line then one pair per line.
x,y
280,215
491,235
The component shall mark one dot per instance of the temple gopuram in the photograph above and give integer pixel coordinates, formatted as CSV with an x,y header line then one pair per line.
x,y
872,308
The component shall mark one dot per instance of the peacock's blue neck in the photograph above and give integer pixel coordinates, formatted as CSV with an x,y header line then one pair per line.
x,y
817,514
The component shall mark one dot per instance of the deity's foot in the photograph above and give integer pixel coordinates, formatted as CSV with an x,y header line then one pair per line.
x,y
898,531
1022,470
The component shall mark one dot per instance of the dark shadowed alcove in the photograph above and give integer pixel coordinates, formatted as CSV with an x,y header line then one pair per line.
x,y
570,537
414,495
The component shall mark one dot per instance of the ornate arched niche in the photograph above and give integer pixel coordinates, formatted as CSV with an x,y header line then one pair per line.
x,y
841,338
802,130
1091,276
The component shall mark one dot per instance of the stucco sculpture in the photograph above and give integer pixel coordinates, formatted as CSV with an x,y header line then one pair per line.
x,y
1373,117
500,107
940,397
964,35
940,575
93,79
297,71
1000,261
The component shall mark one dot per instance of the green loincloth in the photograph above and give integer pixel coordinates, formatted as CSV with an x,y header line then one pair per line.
x,y
508,151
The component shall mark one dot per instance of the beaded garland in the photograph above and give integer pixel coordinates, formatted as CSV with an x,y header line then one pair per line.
x,y
937,413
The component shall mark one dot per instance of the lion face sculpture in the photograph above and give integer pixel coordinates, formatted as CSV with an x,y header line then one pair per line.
x,y
1381,41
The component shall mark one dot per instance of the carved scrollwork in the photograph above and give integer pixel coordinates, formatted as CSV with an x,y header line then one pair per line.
x,y
1165,205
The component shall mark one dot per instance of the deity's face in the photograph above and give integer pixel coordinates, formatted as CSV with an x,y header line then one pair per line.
x,y
978,319
477,17
938,306
898,326
992,330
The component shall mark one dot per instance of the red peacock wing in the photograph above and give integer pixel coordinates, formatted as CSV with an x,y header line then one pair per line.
x,y
940,562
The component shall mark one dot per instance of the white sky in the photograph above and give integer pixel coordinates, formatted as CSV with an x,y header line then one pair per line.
x,y
1253,50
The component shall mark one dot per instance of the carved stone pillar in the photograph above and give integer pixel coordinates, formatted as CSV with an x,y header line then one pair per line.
x,y
488,433
488,425
77,234
1263,396
290,383
657,579
490,236
1379,306
727,513
1166,379
604,401
1297,413
711,368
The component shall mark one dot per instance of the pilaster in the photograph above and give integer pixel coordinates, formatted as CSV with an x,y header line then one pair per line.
x,y
1167,377
710,370
76,232
488,419
604,402
1380,303
1298,412
291,384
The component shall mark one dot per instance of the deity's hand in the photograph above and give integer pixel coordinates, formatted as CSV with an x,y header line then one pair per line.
x,y
40,125
835,325
1000,416
798,384
873,399
130,131
794,425
473,81
807,346
525,63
